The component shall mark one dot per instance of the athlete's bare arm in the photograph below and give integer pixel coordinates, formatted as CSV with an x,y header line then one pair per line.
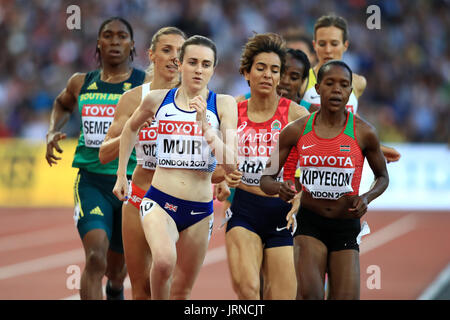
x,y
370,146
63,106
218,174
128,102
296,112
288,138
146,110
359,85
390,153
227,145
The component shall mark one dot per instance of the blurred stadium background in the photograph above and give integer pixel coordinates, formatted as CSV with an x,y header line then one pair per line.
x,y
406,64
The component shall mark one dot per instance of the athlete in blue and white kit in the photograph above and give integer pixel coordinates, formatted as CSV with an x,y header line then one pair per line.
x,y
177,210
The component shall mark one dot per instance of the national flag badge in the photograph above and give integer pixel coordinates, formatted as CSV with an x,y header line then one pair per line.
x,y
170,207
93,86
344,148
276,125
126,86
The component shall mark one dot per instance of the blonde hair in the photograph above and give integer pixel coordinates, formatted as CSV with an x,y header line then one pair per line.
x,y
155,39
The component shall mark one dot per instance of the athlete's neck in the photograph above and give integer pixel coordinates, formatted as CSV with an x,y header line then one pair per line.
x,y
331,119
183,96
317,67
162,83
115,73
258,103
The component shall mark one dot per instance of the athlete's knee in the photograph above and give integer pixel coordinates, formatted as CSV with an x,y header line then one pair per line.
x,y
116,272
163,266
247,288
96,261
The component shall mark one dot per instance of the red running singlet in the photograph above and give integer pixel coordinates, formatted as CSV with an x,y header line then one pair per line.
x,y
257,140
330,168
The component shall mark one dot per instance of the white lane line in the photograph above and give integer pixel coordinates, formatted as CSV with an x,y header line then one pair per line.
x,y
388,233
215,255
436,286
49,262
36,238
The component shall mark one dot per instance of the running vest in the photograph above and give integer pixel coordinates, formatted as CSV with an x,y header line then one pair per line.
x,y
180,142
146,144
312,97
97,103
330,168
257,140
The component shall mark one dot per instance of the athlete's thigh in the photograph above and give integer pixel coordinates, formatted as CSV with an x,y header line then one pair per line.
x,y
312,264
159,228
344,274
191,250
280,281
244,252
136,249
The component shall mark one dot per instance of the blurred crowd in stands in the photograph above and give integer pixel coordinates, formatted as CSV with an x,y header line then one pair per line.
x,y
406,62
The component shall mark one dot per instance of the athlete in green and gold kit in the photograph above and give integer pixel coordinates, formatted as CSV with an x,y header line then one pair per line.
x,y
98,212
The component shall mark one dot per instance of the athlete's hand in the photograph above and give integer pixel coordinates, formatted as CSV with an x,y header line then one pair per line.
x,y
291,217
221,191
233,179
121,187
146,124
198,103
359,206
287,191
390,154
52,143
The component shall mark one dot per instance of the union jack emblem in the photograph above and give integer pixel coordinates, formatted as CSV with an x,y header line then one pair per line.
x,y
170,207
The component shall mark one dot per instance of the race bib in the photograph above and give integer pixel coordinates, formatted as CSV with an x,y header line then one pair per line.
x,y
147,143
146,207
252,169
96,120
327,183
181,145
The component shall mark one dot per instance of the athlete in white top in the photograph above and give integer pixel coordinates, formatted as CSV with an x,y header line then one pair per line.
x,y
330,42
177,242
165,46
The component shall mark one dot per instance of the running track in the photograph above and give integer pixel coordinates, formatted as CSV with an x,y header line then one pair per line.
x,y
38,246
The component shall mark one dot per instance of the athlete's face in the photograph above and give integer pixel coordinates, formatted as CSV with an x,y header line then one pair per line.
x,y
264,75
329,44
165,54
335,88
197,66
115,43
291,81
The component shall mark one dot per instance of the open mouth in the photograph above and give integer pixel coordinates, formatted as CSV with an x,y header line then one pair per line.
x,y
266,84
335,100
114,53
